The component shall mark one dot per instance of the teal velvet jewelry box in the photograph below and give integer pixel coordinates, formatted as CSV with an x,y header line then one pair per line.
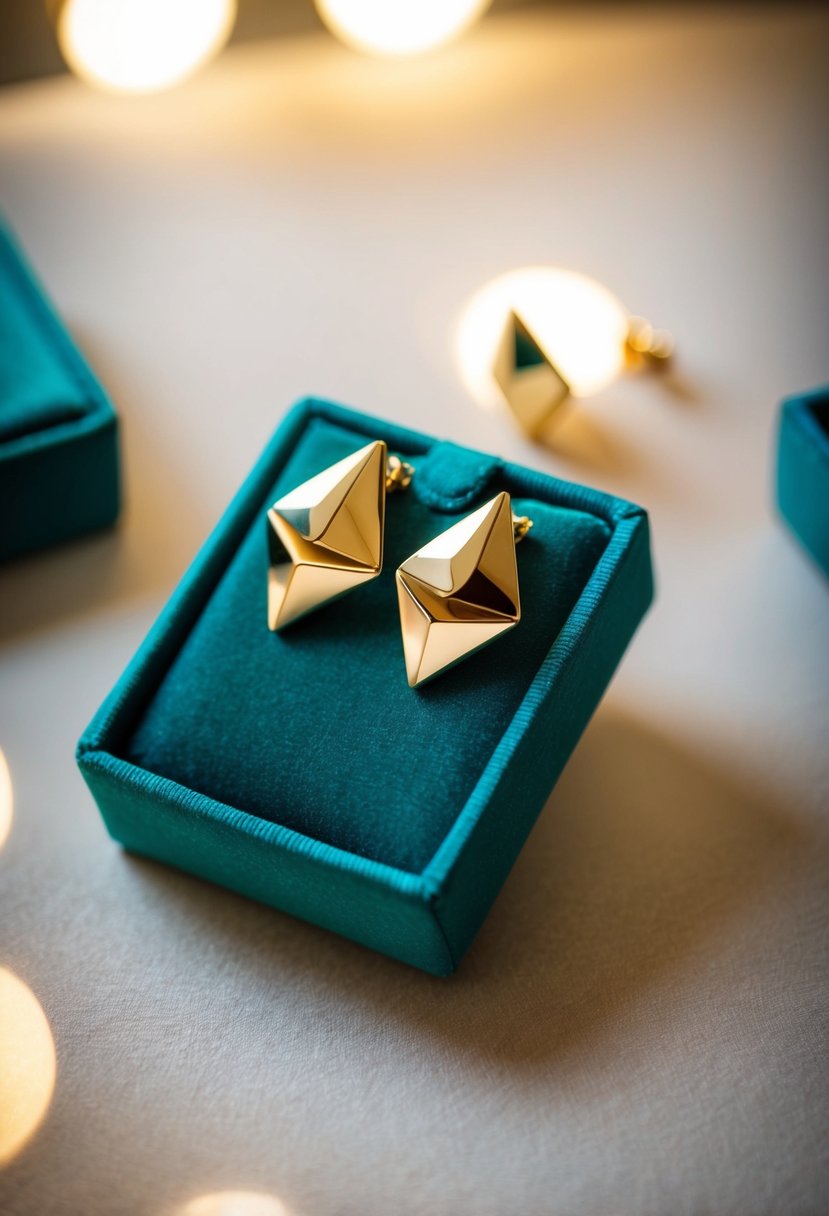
x,y
59,474
803,470
300,769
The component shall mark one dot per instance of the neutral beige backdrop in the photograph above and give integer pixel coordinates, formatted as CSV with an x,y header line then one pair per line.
x,y
640,1027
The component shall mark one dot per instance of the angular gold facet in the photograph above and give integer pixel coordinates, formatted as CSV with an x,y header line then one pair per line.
x,y
326,536
531,383
459,592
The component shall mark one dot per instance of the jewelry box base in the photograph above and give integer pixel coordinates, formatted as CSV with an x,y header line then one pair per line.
x,y
803,471
301,770
59,468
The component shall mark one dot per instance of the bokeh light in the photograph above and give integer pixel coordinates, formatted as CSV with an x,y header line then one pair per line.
x,y
399,27
234,1203
579,323
140,46
6,799
27,1065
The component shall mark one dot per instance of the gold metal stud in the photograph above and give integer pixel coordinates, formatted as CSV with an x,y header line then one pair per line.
x,y
460,591
646,347
398,475
326,537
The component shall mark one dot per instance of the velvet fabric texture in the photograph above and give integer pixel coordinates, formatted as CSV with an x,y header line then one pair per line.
x,y
58,441
803,471
301,769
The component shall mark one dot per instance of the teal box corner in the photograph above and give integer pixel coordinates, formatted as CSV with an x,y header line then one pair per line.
x,y
803,470
59,467
301,770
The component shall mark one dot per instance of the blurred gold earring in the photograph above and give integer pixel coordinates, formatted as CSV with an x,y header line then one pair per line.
x,y
326,537
534,386
460,591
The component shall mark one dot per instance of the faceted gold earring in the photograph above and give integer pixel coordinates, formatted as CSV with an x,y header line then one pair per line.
x,y
535,387
460,591
326,537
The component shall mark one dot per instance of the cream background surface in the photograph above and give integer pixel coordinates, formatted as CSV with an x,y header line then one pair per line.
x,y
640,1027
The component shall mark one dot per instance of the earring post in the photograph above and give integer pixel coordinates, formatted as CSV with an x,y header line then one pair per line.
x,y
521,525
399,475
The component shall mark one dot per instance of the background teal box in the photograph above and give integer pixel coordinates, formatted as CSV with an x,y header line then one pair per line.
x,y
59,475
803,470
300,769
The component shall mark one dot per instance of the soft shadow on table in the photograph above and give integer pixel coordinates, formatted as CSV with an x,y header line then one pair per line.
x,y
595,444
149,547
680,389
642,855
591,448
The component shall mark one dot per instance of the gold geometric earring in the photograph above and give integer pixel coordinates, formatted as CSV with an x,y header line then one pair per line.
x,y
326,537
460,591
535,387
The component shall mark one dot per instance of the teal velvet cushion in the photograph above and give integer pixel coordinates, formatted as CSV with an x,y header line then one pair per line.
x,y
58,442
316,727
803,470
301,769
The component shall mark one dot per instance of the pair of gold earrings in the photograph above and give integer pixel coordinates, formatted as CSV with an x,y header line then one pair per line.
x,y
456,594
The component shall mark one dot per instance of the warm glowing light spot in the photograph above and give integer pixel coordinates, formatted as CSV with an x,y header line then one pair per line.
x,y
234,1203
399,27
6,800
579,323
138,46
27,1064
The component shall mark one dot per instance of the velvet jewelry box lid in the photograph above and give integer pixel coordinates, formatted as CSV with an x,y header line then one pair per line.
x,y
59,475
300,769
803,470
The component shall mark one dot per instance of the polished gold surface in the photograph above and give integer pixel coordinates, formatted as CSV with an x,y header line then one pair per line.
x,y
533,386
460,591
326,536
